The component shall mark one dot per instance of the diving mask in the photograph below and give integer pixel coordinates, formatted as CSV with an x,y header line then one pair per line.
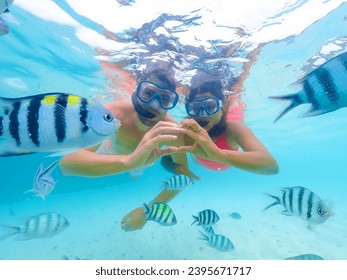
x,y
147,92
209,105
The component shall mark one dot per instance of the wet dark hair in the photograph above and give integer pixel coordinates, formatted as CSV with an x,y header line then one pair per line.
x,y
161,70
203,82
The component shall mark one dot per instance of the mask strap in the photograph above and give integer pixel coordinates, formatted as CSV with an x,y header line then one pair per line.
x,y
139,109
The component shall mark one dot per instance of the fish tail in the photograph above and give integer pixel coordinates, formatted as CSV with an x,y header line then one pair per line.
x,y
9,231
164,184
146,209
277,201
293,98
204,236
195,220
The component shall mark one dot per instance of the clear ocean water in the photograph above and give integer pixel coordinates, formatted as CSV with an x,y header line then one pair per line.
x,y
54,46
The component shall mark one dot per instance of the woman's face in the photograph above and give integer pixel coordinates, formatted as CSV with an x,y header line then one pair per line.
x,y
205,120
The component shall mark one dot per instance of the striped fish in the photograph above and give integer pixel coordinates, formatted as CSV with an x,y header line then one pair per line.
x,y
206,218
53,122
299,201
43,181
325,88
39,226
219,242
208,229
308,257
177,182
161,213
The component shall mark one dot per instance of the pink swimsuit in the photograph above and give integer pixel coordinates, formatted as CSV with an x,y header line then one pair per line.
x,y
221,142
235,114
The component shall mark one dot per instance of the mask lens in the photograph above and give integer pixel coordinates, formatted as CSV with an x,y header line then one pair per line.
x,y
147,92
210,105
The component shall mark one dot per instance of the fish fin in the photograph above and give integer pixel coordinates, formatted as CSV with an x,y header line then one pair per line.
x,y
285,213
28,191
50,168
294,102
6,11
195,220
39,171
9,231
62,153
277,201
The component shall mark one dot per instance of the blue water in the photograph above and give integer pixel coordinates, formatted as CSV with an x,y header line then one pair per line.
x,y
39,56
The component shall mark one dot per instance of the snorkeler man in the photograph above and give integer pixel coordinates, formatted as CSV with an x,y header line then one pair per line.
x,y
145,127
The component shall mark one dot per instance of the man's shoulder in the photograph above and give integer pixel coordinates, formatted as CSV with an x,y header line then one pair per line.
x,y
120,107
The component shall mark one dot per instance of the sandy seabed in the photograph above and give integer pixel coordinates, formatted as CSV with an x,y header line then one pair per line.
x,y
95,231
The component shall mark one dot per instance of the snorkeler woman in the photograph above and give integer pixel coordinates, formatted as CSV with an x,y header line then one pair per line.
x,y
216,133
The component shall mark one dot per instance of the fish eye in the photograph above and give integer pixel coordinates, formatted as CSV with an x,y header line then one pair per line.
x,y
66,224
108,117
320,211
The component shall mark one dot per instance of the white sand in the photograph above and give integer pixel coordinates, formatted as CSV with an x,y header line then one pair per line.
x,y
95,231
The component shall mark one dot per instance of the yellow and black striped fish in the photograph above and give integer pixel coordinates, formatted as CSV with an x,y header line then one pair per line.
x,y
161,213
52,122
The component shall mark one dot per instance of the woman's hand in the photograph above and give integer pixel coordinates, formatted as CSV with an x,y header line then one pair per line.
x,y
134,220
149,149
203,145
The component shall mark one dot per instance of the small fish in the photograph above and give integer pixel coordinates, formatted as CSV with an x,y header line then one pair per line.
x,y
39,226
299,201
235,216
208,229
43,181
52,122
219,242
178,182
161,213
309,257
207,217
325,88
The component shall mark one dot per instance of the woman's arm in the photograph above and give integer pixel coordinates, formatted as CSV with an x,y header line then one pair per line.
x,y
254,157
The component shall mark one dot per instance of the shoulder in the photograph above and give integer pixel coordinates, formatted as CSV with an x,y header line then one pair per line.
x,y
235,130
120,108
